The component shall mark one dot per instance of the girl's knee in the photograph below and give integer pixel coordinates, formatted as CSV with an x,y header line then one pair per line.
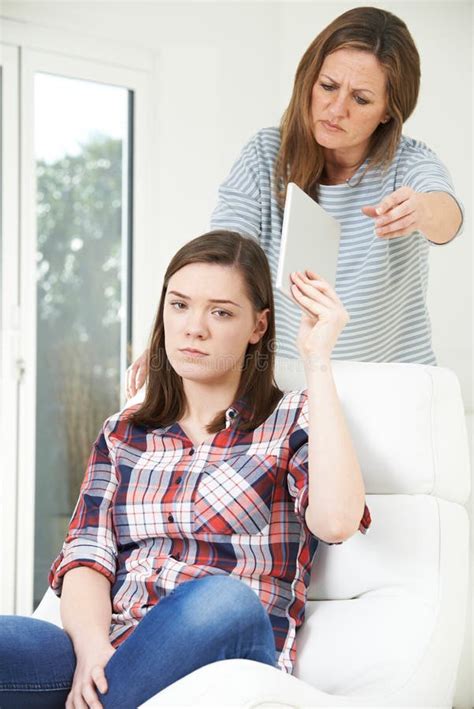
x,y
221,599
23,634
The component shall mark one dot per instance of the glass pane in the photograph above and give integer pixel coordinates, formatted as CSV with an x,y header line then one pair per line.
x,y
82,139
1,205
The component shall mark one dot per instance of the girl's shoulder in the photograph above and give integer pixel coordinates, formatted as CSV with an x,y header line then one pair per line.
x,y
293,400
117,428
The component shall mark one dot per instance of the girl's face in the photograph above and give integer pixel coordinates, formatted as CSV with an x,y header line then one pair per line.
x,y
206,308
350,93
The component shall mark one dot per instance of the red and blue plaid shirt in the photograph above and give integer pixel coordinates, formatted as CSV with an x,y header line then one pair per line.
x,y
155,511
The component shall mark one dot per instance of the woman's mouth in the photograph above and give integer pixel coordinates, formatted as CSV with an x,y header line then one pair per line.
x,y
332,127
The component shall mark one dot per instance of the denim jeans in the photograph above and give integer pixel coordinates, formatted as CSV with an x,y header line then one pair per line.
x,y
212,618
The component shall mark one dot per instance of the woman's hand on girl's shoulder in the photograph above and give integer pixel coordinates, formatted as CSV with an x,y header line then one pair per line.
x,y
324,316
89,677
137,374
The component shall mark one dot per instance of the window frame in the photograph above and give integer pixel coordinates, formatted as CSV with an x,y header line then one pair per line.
x,y
62,54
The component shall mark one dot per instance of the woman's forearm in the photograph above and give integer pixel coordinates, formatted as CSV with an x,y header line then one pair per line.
x,y
86,608
336,487
443,217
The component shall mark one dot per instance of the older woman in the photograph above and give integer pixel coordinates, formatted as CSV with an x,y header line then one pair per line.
x,y
341,140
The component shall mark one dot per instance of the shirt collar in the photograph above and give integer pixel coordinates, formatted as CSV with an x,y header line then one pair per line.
x,y
239,409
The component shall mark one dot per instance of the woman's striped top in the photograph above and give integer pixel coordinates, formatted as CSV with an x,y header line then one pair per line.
x,y
381,282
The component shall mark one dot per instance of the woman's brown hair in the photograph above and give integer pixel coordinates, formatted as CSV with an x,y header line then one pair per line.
x,y
300,158
165,402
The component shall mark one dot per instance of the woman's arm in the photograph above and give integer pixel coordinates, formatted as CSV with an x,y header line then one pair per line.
x,y
239,204
86,608
436,215
441,217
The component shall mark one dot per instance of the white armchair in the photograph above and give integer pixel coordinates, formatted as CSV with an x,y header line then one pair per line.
x,y
386,612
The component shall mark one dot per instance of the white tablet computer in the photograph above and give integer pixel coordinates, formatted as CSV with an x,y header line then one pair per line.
x,y
309,239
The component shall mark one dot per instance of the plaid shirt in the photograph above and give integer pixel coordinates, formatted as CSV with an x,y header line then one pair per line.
x,y
155,511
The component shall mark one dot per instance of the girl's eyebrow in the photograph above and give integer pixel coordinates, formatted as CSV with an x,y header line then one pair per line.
x,y
211,300
335,82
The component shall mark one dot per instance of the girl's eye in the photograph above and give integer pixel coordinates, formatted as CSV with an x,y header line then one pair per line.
x,y
221,312
327,87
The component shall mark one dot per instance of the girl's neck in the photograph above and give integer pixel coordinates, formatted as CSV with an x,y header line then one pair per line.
x,y
204,402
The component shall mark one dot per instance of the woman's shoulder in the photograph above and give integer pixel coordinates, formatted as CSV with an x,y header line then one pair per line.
x,y
411,148
266,143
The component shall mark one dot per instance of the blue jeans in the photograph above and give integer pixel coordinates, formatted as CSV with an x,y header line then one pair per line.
x,y
208,619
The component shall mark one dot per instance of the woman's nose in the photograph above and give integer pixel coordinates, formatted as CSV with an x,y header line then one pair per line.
x,y
338,106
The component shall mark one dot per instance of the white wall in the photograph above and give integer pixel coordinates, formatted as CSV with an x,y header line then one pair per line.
x,y
225,69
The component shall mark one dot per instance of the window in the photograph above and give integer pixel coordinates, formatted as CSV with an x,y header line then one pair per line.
x,y
83,188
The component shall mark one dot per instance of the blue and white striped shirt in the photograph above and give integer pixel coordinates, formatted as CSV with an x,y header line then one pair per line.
x,y
381,282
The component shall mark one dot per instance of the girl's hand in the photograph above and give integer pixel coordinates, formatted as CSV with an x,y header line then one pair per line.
x,y
88,677
399,214
137,374
324,316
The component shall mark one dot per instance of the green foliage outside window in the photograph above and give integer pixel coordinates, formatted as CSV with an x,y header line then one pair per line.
x,y
79,266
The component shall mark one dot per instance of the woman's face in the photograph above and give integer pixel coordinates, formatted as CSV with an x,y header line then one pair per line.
x,y
206,308
350,93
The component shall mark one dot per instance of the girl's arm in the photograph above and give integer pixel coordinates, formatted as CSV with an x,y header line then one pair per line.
x,y
86,608
86,612
336,493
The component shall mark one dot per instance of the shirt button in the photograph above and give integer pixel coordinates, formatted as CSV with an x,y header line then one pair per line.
x,y
191,451
170,518
178,480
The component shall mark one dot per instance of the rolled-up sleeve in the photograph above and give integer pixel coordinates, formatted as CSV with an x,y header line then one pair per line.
x,y
297,475
239,202
90,540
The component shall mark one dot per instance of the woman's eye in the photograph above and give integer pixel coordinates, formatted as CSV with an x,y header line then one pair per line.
x,y
361,101
177,302
224,313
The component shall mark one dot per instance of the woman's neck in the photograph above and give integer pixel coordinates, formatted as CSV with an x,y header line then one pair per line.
x,y
339,168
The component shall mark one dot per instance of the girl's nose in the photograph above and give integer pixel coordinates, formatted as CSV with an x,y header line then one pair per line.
x,y
196,325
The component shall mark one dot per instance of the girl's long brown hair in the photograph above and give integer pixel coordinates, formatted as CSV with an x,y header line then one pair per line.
x,y
165,402
300,158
